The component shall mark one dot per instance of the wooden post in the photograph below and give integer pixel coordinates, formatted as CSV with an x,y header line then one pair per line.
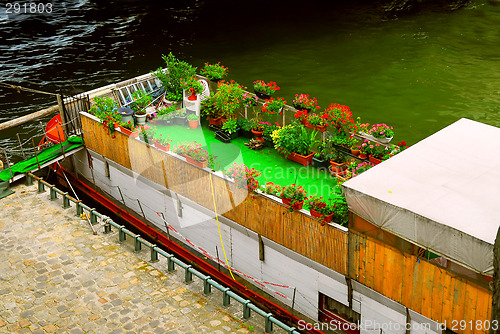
x,y
60,102
28,118
495,311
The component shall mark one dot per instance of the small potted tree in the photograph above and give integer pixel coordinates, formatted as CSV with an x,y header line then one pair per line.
x,y
193,120
140,101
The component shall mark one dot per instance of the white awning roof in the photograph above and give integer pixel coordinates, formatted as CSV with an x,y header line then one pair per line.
x,y
442,193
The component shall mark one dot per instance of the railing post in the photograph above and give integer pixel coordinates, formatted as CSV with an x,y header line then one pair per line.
x,y
121,234
41,186
53,193
66,201
170,264
188,275
154,254
79,208
29,179
107,225
93,217
207,287
246,310
137,244
291,330
269,324
226,300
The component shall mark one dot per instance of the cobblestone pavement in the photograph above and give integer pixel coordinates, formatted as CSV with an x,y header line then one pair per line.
x,y
57,277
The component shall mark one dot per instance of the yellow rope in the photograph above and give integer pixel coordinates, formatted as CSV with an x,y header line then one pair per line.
x,y
217,218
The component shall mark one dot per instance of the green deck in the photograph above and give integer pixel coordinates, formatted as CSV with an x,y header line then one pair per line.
x,y
273,166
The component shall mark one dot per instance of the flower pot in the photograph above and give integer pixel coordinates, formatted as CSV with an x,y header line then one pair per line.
x,y
133,134
140,119
193,97
296,106
338,167
301,159
201,164
362,155
355,151
309,125
180,120
126,114
342,176
324,219
318,163
258,134
262,95
215,121
193,124
164,148
268,142
321,128
296,206
233,135
376,161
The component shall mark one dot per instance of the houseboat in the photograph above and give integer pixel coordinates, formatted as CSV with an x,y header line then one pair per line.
x,y
415,257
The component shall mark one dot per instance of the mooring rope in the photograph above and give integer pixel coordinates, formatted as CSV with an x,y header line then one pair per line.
x,y
20,88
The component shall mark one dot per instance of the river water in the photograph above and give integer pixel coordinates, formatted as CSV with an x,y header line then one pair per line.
x,y
417,71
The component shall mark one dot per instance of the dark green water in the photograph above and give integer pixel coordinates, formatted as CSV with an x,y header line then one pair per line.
x,y
418,72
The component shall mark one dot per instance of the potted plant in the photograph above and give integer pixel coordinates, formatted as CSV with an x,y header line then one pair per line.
x,y
295,143
193,120
340,119
267,130
293,196
318,122
265,90
302,116
165,115
249,100
365,149
171,76
161,141
244,177
214,72
231,127
107,110
382,132
129,129
228,98
271,188
140,100
321,158
320,209
193,87
338,162
305,102
211,112
193,153
246,127
180,117
274,105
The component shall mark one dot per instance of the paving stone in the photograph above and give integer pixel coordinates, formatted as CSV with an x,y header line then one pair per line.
x,y
60,278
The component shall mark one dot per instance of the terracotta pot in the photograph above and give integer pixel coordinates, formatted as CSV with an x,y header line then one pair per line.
x,y
324,219
362,155
296,206
374,160
193,124
258,134
301,159
321,128
201,164
355,151
193,97
165,148
342,176
215,121
338,167
133,134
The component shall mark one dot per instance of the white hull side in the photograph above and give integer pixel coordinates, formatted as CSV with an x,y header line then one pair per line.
x,y
281,265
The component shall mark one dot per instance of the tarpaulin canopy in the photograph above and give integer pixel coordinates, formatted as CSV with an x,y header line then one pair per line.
x,y
442,193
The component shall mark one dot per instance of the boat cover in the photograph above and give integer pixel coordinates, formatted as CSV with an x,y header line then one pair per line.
x,y
441,194
43,156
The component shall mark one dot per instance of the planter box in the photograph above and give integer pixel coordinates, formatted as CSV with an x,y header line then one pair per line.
x,y
301,159
338,167
180,120
201,164
320,163
296,206
324,219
